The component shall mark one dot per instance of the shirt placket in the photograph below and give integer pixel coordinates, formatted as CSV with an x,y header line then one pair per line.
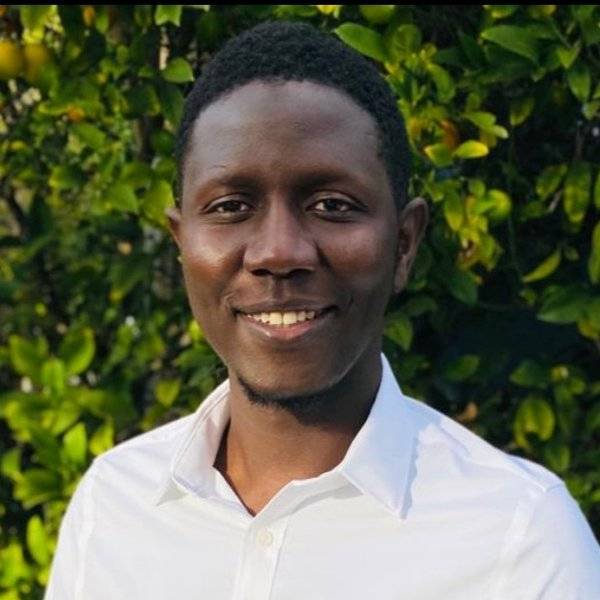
x,y
265,536
262,547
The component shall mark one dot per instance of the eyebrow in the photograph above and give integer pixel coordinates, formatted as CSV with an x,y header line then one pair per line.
x,y
310,179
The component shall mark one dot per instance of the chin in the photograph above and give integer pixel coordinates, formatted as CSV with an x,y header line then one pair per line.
x,y
308,404
281,390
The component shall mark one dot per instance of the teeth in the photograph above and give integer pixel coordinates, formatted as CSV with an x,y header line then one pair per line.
x,y
283,318
289,318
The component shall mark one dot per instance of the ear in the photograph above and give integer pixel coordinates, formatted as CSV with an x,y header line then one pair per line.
x,y
412,223
174,219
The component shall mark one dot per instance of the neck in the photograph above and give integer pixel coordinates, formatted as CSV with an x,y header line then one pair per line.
x,y
266,444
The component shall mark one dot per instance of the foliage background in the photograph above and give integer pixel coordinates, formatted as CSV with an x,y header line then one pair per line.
x,y
499,328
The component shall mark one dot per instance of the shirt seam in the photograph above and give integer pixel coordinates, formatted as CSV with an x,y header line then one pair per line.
x,y
86,531
515,535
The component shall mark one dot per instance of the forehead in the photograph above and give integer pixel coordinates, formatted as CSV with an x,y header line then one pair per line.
x,y
289,123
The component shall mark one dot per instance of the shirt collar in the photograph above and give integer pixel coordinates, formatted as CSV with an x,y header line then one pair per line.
x,y
378,461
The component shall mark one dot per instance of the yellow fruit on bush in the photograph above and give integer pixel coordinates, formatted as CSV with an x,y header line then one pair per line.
x,y
11,59
37,58
377,13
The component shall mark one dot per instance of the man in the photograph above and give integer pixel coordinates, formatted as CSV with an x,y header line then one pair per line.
x,y
308,474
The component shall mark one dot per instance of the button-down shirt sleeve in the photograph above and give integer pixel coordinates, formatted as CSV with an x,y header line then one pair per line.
x,y
550,551
66,576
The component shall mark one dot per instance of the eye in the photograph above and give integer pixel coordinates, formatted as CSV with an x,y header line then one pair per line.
x,y
230,206
333,205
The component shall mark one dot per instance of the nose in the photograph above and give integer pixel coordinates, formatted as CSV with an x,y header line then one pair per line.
x,y
280,243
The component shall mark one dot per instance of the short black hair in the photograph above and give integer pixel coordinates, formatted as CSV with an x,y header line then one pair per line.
x,y
292,51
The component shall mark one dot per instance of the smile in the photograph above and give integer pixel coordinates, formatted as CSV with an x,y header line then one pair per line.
x,y
288,325
285,318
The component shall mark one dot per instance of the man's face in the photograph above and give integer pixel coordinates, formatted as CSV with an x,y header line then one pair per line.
x,y
287,215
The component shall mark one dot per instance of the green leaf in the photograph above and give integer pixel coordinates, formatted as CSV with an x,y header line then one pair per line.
x,y
26,356
102,439
471,49
567,56
34,18
530,374
53,375
64,177
483,120
594,260
402,41
10,463
514,39
136,174
142,99
37,486
89,135
462,286
121,197
178,70
167,390
521,109
591,109
461,368
535,415
443,82
171,102
454,211
400,330
38,542
597,192
563,305
77,350
501,11
364,40
549,180
419,305
126,274
577,191
167,13
46,446
580,80
75,445
557,456
378,14
439,154
471,149
500,205
545,268
158,198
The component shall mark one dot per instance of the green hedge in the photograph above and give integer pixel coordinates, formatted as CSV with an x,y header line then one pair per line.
x,y
500,326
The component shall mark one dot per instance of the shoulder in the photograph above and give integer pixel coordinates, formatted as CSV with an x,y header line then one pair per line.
x,y
461,453
137,465
547,547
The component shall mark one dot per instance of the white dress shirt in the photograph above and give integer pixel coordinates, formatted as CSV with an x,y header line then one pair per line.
x,y
420,508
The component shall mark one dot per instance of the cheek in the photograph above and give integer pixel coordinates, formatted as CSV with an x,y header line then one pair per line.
x,y
208,263
366,258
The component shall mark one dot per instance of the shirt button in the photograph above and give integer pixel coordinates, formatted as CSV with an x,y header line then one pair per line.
x,y
264,538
